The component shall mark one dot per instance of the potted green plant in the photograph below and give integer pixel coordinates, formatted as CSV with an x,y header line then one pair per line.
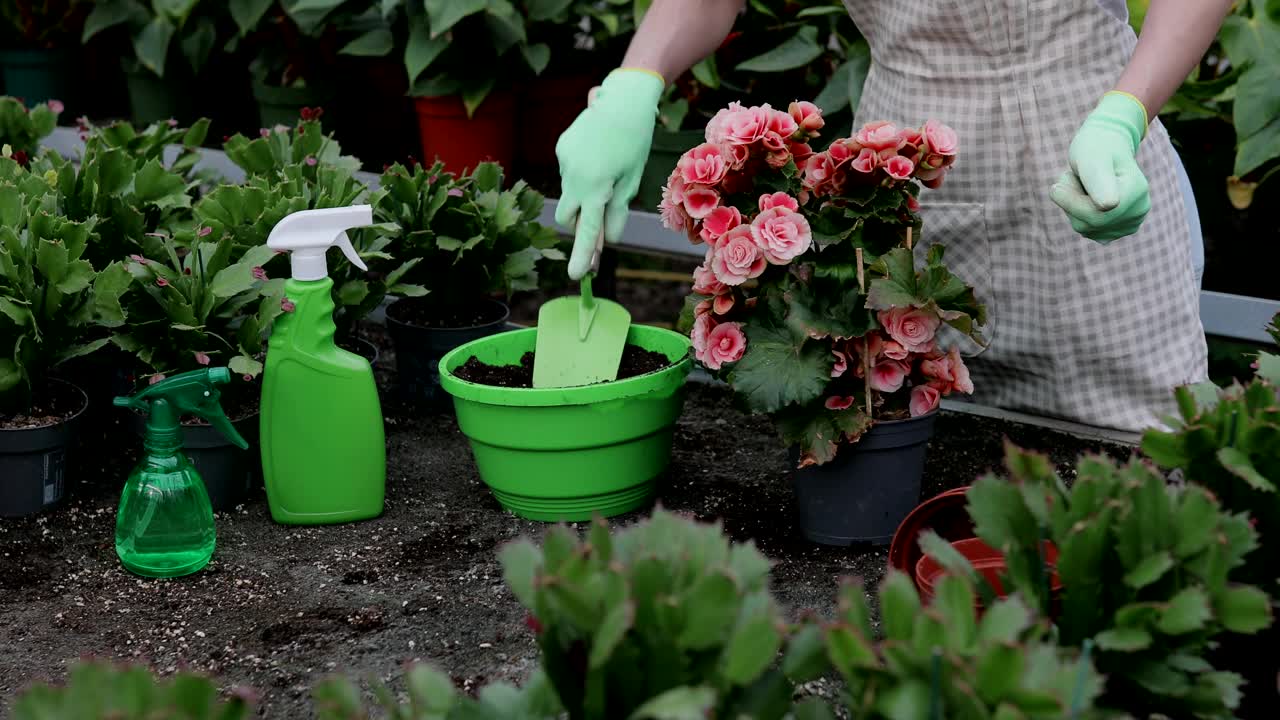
x,y
38,41
169,47
463,58
472,245
22,128
812,305
822,59
54,306
299,44
302,168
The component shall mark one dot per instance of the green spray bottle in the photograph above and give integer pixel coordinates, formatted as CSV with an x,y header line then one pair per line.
x,y
324,452
164,526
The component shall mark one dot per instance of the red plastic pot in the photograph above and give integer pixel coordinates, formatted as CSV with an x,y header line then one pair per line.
x,y
988,561
549,106
462,142
945,514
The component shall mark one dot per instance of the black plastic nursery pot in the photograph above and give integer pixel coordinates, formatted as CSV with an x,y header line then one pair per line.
x,y
419,348
229,473
38,75
283,105
33,461
865,492
154,99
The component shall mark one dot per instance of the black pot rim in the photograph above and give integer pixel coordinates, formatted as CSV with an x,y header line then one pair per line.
x,y
84,405
506,315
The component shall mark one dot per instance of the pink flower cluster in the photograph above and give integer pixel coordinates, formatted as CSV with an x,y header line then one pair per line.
x,y
904,354
881,153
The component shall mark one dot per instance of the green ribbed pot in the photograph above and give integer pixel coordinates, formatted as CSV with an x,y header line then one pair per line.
x,y
566,454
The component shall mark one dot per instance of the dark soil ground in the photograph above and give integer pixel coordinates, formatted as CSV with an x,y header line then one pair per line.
x,y
281,606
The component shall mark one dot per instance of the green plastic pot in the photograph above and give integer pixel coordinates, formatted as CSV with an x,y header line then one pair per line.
x,y
566,454
283,105
154,99
664,153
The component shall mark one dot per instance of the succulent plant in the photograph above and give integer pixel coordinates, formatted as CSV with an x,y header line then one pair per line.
x,y
1147,573
53,302
22,128
101,690
663,614
431,696
942,661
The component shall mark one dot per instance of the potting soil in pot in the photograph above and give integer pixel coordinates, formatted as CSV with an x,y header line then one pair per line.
x,y
445,317
56,406
636,361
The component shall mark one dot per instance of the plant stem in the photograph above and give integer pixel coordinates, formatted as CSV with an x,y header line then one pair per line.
x,y
866,343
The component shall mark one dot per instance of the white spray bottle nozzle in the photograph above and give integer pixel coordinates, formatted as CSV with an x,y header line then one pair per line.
x,y
308,234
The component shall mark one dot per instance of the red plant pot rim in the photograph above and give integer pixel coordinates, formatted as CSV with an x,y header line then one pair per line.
x,y
904,551
988,561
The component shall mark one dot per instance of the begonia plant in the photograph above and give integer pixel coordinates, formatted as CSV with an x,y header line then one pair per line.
x,y
809,303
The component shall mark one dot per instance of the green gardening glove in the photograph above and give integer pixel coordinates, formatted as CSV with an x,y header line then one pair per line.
x,y
602,156
1105,193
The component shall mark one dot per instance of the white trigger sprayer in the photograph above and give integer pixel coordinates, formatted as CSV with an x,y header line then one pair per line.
x,y
308,234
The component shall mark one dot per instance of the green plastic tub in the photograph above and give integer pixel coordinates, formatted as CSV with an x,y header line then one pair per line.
x,y
567,454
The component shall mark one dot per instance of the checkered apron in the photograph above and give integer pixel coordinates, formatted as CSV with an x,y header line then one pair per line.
x,y
1076,330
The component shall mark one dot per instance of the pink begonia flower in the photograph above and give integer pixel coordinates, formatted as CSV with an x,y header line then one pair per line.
x,y
722,304
913,204
781,234
842,364
737,258
899,167
700,201
725,344
942,140
703,165
818,170
287,305
673,215
201,358
937,367
963,382
860,347
703,324
705,282
893,350
911,137
783,124
913,328
888,375
720,221
801,152
866,162
778,199
716,131
807,115
836,402
702,308
56,106
879,135
841,153
746,125
773,142
924,399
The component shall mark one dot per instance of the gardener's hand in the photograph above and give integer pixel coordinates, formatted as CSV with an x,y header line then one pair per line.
x,y
602,156
1105,193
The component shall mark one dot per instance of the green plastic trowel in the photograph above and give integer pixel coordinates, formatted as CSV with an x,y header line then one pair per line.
x,y
580,339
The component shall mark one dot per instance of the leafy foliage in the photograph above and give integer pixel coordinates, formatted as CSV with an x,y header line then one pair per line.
x,y
1148,574
99,690
298,42
466,237
51,298
157,29
42,23
22,128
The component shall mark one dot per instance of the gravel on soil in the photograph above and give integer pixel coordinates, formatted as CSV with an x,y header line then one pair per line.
x,y
281,606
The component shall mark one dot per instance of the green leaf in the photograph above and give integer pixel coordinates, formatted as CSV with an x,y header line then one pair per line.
x,y
805,659
10,374
520,562
248,13
76,351
796,52
153,182
708,611
421,50
779,369
850,652
430,690
540,10
353,292
617,622
537,55
1005,621
1186,612
377,42
198,43
1149,570
899,605
405,290
107,14
108,287
681,703
955,600
1244,609
1238,464
444,14
245,365
1124,639
152,44
1000,671
812,708
754,643
705,72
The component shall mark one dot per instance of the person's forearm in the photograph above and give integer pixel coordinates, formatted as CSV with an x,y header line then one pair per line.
x,y
1175,36
676,34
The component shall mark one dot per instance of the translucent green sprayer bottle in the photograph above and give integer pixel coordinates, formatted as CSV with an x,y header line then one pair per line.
x,y
164,527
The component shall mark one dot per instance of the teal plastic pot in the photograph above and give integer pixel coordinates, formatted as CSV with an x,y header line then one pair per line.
x,y
38,76
566,454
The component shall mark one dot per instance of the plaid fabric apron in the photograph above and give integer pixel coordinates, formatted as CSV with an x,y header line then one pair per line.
x,y
1076,330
